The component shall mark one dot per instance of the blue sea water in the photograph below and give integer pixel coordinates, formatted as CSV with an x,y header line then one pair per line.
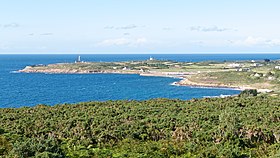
x,y
20,89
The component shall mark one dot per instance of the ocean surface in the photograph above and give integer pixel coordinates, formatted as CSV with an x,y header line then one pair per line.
x,y
20,89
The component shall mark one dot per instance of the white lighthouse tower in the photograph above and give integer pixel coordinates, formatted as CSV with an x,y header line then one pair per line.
x,y
78,59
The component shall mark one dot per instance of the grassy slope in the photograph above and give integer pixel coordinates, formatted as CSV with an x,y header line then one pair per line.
x,y
205,72
230,127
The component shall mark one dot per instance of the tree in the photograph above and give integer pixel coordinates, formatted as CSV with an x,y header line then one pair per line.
x,y
249,92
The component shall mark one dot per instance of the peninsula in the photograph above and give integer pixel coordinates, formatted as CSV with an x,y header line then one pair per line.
x,y
263,75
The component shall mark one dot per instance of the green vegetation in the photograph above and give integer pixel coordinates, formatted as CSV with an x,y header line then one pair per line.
x,y
249,92
244,126
262,75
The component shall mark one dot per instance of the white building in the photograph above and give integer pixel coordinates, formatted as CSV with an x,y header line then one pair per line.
x,y
271,78
79,60
234,65
257,75
257,64
243,69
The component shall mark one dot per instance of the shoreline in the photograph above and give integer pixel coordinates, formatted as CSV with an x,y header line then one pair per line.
x,y
182,77
187,82
137,72
209,87
184,81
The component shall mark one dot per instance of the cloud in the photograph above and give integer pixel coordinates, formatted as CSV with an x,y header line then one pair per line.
x,y
132,26
10,25
4,46
109,27
123,42
46,34
197,42
257,41
261,41
126,34
126,27
167,28
210,29
42,34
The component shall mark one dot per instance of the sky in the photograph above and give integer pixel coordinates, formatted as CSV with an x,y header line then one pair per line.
x,y
139,26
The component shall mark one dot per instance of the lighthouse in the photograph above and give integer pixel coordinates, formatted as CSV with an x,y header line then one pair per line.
x,y
78,59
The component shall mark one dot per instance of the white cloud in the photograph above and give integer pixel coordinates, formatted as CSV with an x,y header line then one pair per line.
x,y
46,34
10,25
41,34
109,27
132,26
118,41
167,28
123,42
257,41
126,34
125,27
141,41
209,29
4,46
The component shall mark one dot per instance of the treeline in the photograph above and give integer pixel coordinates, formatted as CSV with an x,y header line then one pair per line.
x,y
244,126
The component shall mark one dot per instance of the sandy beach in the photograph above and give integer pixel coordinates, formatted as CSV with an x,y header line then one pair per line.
x,y
187,82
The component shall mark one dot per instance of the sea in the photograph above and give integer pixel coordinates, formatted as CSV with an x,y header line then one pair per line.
x,y
27,89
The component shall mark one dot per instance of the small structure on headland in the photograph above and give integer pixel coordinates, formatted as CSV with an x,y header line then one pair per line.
x,y
243,69
234,65
257,65
79,60
151,58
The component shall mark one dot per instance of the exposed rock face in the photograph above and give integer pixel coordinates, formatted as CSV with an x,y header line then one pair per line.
x,y
29,69
50,70
187,82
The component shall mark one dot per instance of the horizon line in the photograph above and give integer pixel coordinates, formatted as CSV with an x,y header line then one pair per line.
x,y
129,53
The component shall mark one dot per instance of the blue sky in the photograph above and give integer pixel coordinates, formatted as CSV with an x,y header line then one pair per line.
x,y
139,26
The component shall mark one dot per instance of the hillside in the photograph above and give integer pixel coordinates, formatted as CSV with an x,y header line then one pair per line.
x,y
244,126
261,75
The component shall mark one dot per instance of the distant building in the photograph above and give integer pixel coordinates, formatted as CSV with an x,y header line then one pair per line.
x,y
257,75
234,65
277,67
79,60
151,59
257,64
271,78
244,70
